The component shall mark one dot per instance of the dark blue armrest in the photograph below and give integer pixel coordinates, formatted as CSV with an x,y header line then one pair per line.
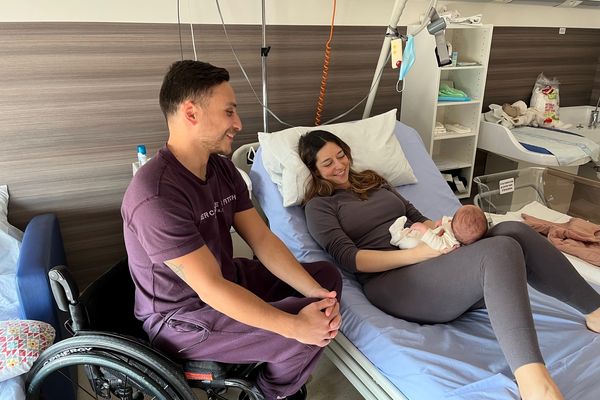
x,y
42,249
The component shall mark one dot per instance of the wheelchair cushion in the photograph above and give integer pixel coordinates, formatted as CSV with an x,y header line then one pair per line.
x,y
212,370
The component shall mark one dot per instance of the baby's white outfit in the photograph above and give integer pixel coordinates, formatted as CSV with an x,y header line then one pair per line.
x,y
406,238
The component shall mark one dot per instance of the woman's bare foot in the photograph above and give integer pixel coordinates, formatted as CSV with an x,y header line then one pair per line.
x,y
592,321
535,383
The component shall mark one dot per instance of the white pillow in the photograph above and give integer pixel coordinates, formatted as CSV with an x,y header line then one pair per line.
x,y
3,202
372,140
10,242
4,225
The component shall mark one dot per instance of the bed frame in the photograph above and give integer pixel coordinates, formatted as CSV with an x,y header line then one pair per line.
x,y
357,368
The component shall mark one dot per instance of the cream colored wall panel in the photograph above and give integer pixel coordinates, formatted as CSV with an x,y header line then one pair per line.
x,y
287,12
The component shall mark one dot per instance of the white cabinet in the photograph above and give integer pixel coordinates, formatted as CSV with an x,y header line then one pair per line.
x,y
454,151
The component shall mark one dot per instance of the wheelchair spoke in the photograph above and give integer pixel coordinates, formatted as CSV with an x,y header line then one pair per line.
x,y
77,385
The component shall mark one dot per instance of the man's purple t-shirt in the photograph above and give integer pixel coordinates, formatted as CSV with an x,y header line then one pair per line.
x,y
169,212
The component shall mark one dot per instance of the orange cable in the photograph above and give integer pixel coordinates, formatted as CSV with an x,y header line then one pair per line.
x,y
325,74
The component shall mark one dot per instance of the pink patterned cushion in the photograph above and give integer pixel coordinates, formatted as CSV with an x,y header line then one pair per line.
x,y
21,343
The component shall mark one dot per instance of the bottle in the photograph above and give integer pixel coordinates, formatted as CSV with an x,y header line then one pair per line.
x,y
141,154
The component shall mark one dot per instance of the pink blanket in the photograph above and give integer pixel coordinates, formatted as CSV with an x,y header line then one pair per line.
x,y
576,237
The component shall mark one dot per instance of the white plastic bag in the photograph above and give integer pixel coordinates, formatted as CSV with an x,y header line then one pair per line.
x,y
545,99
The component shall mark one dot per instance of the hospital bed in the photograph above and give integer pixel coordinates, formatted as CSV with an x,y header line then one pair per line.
x,y
389,358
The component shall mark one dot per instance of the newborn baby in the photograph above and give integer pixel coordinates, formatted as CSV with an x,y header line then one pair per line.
x,y
468,225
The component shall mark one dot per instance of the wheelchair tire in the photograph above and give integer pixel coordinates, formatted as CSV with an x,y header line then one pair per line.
x,y
137,386
110,358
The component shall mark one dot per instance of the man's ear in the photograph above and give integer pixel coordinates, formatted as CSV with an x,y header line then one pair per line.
x,y
190,111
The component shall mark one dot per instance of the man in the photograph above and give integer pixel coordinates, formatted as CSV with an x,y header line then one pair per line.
x,y
196,300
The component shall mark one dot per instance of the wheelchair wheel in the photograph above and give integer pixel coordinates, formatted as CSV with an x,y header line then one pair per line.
x,y
115,368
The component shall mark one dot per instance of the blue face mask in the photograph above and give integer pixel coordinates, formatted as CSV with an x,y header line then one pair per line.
x,y
408,57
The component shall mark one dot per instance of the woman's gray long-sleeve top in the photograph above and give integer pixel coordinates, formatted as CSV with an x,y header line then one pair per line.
x,y
343,224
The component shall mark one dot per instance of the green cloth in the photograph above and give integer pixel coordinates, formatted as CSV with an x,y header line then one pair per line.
x,y
447,91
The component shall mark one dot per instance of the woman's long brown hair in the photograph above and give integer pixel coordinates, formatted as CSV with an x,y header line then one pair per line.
x,y
360,182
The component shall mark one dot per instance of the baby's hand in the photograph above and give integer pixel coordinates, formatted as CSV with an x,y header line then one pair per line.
x,y
449,249
419,227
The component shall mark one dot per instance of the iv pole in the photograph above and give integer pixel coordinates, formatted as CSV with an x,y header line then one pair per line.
x,y
392,32
264,52
383,55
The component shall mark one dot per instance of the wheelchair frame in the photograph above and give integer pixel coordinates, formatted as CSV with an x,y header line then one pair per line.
x,y
119,363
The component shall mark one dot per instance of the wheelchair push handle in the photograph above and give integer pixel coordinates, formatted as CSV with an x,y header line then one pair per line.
x,y
66,295
63,286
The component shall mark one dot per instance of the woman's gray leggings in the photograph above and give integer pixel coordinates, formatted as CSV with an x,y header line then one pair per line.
x,y
492,273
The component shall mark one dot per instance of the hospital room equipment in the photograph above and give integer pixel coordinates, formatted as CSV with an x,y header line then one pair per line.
x,y
389,358
544,193
435,26
594,117
110,348
545,151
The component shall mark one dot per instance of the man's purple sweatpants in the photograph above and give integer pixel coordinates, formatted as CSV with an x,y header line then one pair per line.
x,y
214,336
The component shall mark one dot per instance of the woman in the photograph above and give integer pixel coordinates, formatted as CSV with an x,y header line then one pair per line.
x,y
349,215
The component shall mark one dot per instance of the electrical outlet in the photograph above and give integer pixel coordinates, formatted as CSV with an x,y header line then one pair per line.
x,y
562,31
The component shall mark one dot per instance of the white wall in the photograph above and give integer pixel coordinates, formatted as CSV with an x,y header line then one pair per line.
x,y
285,12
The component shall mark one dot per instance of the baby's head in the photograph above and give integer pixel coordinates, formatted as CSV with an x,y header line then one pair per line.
x,y
469,224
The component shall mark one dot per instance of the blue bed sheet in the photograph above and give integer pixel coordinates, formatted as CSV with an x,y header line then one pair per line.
x,y
458,360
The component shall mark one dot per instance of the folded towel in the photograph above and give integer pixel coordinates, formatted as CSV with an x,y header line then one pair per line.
x,y
439,128
457,128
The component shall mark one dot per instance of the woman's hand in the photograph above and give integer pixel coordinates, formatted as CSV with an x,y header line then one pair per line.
x,y
450,249
423,252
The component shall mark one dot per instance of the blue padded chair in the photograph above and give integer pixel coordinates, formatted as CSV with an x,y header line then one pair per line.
x,y
41,249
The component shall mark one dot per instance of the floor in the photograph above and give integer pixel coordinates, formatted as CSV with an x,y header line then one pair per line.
x,y
326,383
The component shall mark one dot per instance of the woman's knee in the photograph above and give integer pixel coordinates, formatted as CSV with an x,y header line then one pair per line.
x,y
503,251
515,229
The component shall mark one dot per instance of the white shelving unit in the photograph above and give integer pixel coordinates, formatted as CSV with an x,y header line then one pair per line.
x,y
453,153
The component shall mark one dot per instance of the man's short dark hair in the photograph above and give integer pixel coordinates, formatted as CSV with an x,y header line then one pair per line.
x,y
189,79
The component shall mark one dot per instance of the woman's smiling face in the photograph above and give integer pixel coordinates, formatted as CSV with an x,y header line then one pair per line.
x,y
333,165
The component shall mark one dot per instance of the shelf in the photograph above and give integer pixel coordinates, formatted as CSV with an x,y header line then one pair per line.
x,y
422,110
457,103
459,67
453,135
446,164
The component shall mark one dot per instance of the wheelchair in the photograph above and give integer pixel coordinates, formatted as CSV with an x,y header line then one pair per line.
x,y
113,361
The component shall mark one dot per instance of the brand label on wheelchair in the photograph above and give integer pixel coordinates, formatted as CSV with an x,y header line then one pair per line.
x,y
67,352
507,185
